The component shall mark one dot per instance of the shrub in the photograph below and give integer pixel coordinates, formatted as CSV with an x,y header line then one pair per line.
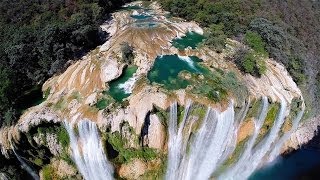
x,y
215,37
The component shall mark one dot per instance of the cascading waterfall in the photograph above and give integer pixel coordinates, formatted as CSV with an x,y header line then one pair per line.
x,y
188,60
276,150
244,158
256,155
87,151
128,85
207,147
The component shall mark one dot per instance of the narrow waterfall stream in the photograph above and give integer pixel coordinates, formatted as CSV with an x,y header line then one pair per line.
x,y
87,151
25,166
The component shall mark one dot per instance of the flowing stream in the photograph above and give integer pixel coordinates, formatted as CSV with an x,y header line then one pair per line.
x,y
25,166
87,151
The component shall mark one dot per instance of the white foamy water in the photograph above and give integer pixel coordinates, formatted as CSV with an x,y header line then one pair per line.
x,y
276,150
87,151
188,60
128,86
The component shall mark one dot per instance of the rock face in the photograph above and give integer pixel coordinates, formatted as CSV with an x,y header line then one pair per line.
x,y
133,169
305,132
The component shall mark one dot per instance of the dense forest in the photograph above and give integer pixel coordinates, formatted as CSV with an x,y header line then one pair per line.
x,y
38,37
287,31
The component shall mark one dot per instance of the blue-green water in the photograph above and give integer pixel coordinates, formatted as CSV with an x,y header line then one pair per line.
x,y
117,92
166,70
292,167
141,16
191,39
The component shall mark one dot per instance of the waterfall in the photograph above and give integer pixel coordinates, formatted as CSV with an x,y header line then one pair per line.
x,y
128,85
188,60
207,147
237,168
254,157
276,150
87,151
25,166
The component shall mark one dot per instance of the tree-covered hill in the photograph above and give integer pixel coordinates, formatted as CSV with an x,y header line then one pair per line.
x,y
289,29
38,37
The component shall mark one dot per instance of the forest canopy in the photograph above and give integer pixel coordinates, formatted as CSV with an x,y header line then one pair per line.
x,y
38,37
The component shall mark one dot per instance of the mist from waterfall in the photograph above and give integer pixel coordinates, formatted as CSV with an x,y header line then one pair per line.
x,y
87,151
207,147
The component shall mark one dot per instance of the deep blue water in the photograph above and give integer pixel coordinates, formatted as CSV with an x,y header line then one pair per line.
x,y
300,164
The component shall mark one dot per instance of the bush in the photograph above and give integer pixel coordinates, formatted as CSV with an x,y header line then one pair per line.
x,y
215,37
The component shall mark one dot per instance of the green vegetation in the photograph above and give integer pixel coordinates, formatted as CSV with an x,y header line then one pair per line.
x,y
254,109
233,157
252,60
127,154
60,131
216,85
215,37
48,172
37,38
104,101
269,121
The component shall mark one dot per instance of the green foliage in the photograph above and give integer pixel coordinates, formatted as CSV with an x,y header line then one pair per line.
x,y
38,162
37,38
217,85
127,154
104,102
215,37
47,172
63,137
254,40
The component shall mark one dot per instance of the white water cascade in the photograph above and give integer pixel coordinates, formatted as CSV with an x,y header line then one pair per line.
x,y
127,86
87,151
254,155
206,148
244,158
276,150
188,60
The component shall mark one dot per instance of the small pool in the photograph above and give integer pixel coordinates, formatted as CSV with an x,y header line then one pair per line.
x,y
141,16
191,39
122,87
166,70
